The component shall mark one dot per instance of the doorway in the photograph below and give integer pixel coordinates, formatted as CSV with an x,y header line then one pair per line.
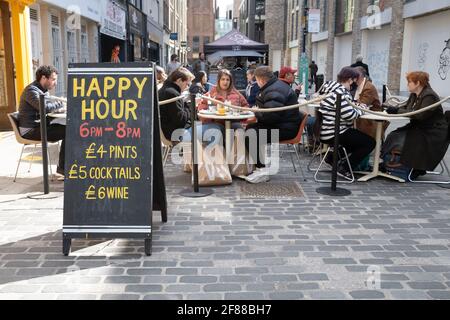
x,y
7,87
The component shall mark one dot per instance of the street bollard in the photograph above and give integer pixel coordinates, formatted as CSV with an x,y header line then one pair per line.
x,y
334,190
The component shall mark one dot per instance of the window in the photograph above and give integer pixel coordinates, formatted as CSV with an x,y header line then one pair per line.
x,y
84,45
196,44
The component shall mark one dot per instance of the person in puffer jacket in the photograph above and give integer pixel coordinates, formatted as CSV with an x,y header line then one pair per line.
x,y
275,94
358,144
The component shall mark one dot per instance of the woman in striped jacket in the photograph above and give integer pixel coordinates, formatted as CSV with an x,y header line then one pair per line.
x,y
357,143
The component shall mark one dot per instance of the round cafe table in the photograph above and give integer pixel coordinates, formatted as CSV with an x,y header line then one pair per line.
x,y
228,118
376,160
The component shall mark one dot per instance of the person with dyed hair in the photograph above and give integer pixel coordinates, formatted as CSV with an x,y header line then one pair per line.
x,y
423,142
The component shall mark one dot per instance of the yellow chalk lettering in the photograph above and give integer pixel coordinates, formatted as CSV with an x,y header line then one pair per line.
x,y
78,88
94,86
137,173
109,84
104,115
131,106
117,111
140,85
85,110
124,85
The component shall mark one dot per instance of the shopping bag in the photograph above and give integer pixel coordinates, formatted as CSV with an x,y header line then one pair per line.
x,y
241,165
212,168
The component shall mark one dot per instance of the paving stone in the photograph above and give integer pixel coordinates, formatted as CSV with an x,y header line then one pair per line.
x,y
367,294
426,285
198,279
409,295
163,297
327,295
339,261
441,295
120,297
286,295
279,278
222,287
313,277
183,288
244,296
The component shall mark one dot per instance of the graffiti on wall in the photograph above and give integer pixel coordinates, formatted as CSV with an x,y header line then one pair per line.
x,y
378,64
444,61
422,56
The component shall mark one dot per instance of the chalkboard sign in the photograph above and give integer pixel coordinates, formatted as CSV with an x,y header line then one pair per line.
x,y
114,177
240,79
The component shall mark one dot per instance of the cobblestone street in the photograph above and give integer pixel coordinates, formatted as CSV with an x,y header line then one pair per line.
x,y
233,245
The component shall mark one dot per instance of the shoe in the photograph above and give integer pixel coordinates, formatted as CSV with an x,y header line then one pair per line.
x,y
60,171
417,173
329,159
259,176
344,173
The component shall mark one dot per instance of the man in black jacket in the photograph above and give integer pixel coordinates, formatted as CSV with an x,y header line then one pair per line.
x,y
274,94
46,79
359,63
175,115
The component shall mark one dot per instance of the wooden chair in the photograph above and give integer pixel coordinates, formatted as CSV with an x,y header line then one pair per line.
x,y
294,143
14,120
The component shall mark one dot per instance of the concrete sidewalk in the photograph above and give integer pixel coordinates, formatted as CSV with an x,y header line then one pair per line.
x,y
385,241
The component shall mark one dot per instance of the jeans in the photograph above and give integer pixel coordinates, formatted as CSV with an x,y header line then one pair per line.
x,y
55,132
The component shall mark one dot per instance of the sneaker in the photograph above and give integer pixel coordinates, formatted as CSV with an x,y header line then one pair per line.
x,y
259,176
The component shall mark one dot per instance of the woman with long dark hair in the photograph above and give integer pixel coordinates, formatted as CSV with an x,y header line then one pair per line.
x,y
225,91
198,85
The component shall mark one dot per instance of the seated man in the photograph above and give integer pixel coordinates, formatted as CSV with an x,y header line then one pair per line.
x,y
29,126
274,94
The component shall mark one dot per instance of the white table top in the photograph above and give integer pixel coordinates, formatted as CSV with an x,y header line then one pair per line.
x,y
387,117
205,114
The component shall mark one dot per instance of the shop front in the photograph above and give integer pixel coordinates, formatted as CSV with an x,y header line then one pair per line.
x,y
113,33
137,46
14,32
155,41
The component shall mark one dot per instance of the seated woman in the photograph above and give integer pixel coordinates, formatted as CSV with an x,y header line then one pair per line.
x,y
357,143
199,84
225,91
423,142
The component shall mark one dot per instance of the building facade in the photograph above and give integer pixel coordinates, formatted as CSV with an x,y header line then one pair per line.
x,y
63,33
155,28
175,29
14,46
200,26
260,21
393,36
252,19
